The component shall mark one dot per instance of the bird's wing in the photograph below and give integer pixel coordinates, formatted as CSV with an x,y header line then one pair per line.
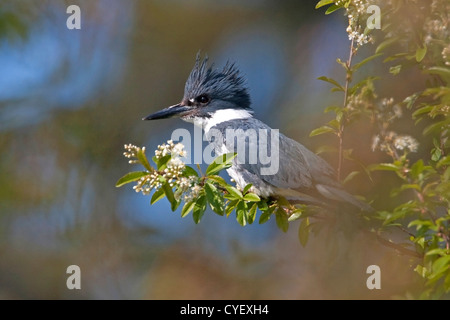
x,y
282,166
303,176
290,169
297,173
292,165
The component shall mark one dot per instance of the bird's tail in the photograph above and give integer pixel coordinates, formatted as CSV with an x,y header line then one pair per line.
x,y
338,194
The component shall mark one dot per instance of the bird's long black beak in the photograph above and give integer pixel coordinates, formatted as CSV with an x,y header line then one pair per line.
x,y
176,110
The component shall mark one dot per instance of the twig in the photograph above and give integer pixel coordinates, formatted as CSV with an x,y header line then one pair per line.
x,y
349,75
397,247
406,231
199,169
348,79
390,244
341,149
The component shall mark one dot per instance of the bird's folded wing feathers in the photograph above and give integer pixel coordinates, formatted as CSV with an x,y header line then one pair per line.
x,y
298,167
293,171
299,170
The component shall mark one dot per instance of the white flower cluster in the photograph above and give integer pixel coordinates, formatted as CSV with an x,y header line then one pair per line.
x,y
446,55
146,184
175,166
192,193
399,142
176,150
355,30
406,142
388,111
131,152
186,185
436,27
172,173
356,35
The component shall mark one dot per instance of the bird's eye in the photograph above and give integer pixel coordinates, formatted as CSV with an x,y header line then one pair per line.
x,y
202,99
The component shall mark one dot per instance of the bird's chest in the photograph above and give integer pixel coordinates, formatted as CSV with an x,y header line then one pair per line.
x,y
239,172
243,177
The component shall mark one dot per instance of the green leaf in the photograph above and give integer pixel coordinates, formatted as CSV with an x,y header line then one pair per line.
x,y
408,186
218,179
447,283
221,162
421,270
332,81
360,64
247,187
362,83
265,216
335,109
342,63
188,207
386,43
383,167
162,162
445,161
420,223
422,110
303,232
350,176
140,155
252,197
332,9
214,198
395,57
233,193
437,92
395,70
436,127
262,205
157,195
282,220
417,168
295,215
199,208
189,171
438,251
322,3
441,264
282,201
230,207
420,53
442,71
170,196
326,149
241,213
321,130
410,100
130,177
252,213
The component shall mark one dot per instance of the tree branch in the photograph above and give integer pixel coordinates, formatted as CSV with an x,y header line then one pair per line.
x,y
348,79
397,247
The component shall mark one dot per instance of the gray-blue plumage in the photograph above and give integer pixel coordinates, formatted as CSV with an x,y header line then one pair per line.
x,y
302,176
217,100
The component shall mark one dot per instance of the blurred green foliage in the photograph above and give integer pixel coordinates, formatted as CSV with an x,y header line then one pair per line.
x,y
414,35
11,26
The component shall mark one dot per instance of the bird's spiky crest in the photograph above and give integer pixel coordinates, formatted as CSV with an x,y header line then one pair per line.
x,y
226,84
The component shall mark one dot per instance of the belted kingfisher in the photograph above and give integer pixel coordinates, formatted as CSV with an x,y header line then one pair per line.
x,y
218,100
